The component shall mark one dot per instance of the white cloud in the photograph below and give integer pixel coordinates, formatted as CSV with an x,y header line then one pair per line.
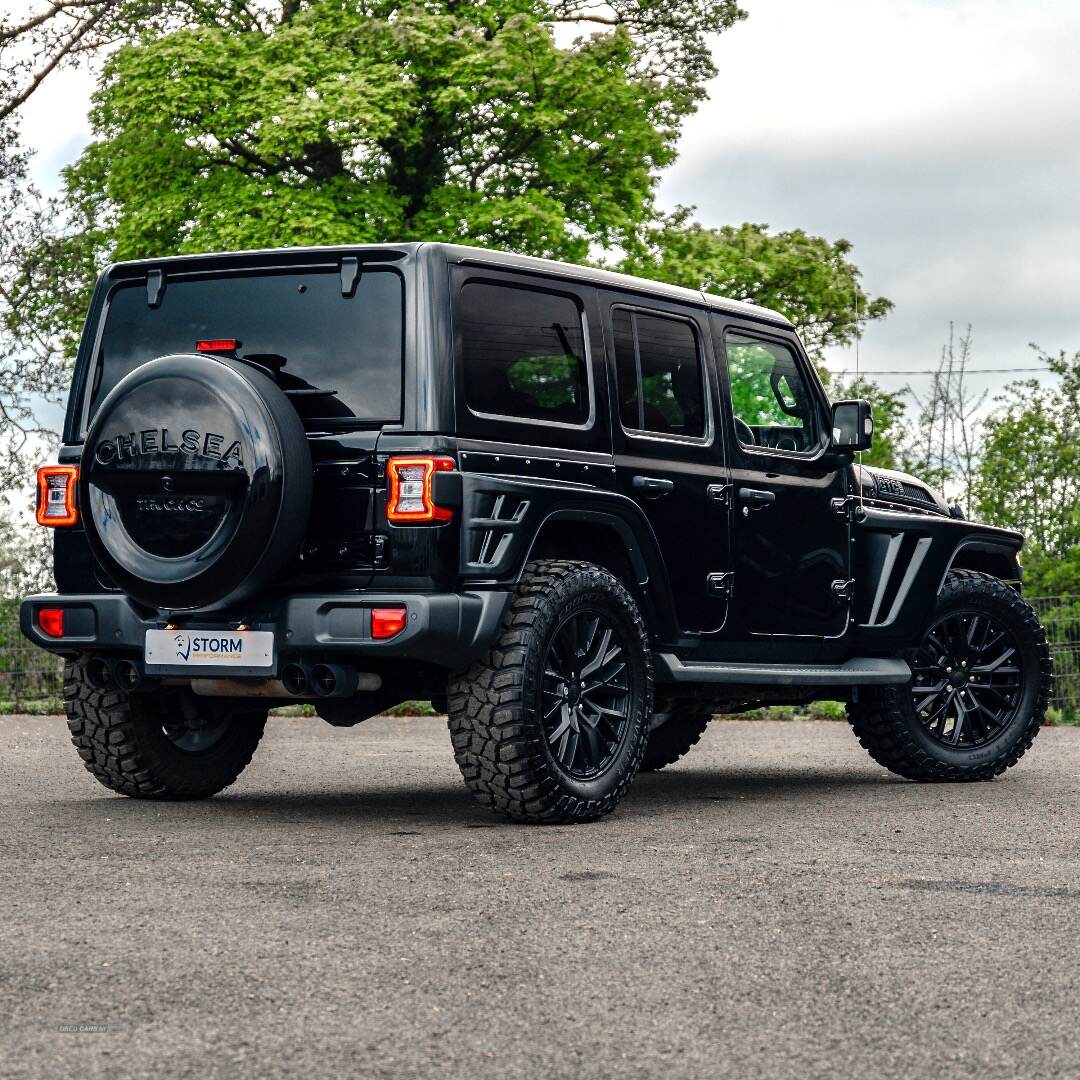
x,y
938,137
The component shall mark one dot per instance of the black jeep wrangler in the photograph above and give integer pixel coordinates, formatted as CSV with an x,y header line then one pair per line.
x,y
580,512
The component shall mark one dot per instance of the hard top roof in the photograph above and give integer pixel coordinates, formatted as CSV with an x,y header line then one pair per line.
x,y
460,253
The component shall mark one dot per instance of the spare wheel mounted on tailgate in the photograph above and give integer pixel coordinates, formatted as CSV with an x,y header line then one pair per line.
x,y
196,479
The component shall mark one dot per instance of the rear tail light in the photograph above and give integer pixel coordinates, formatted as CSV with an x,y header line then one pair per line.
x,y
56,495
387,622
51,621
410,498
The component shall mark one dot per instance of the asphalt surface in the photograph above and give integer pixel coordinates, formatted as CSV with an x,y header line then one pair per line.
x,y
776,905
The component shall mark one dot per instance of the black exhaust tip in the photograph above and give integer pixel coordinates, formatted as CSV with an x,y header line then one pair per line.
x,y
295,679
127,675
99,673
323,680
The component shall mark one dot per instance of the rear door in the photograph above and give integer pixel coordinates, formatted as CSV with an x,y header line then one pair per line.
x,y
668,455
792,542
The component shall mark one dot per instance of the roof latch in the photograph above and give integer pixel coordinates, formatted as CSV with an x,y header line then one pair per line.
x,y
155,287
350,275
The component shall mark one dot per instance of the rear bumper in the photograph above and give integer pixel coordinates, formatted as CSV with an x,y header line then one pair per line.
x,y
447,629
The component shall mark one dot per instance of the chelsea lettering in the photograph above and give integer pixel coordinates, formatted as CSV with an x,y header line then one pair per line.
x,y
117,449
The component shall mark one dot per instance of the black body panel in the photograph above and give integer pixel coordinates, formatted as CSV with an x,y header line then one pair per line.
x,y
737,555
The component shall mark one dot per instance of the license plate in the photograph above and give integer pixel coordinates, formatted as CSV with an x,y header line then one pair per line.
x,y
210,648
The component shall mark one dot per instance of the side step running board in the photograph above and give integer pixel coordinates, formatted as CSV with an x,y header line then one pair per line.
x,y
859,671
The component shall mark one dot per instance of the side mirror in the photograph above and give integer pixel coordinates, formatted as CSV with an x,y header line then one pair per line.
x,y
852,425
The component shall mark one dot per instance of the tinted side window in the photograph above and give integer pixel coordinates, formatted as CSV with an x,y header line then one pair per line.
x,y
523,353
772,404
658,370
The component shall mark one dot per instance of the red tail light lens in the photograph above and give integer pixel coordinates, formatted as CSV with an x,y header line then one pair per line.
x,y
410,498
51,621
387,622
56,495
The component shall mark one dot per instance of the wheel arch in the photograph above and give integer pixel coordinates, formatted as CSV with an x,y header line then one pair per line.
x,y
608,540
997,559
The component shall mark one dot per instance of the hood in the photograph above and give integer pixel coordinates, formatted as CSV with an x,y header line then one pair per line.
x,y
902,489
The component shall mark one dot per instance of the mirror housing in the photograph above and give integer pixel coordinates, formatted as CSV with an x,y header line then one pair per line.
x,y
852,425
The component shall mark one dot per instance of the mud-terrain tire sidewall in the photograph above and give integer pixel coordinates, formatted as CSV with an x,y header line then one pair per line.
x,y
677,735
888,723
265,522
120,739
493,707
609,596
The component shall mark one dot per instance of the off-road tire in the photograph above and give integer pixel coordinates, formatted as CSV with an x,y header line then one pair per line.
x,y
886,721
676,735
495,727
119,736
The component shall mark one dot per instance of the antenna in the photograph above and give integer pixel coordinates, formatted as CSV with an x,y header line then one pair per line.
x,y
858,373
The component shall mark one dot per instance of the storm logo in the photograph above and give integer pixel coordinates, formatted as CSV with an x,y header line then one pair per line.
x,y
183,646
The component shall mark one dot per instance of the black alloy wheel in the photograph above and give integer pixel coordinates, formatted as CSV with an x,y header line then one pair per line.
x,y
190,724
585,696
967,679
981,680
551,724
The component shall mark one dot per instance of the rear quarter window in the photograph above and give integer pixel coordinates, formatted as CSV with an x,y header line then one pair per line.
x,y
523,354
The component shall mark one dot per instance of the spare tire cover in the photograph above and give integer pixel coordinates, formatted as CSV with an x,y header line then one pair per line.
x,y
195,482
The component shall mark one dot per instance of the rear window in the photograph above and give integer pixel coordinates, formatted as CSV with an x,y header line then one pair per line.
x,y
298,325
524,354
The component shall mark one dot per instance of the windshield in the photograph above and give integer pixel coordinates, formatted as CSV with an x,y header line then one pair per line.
x,y
338,357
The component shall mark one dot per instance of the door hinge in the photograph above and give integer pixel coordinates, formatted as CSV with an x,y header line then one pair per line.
x,y
849,507
720,493
720,584
843,590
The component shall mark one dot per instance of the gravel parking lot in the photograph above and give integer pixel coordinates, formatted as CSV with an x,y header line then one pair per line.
x,y
776,905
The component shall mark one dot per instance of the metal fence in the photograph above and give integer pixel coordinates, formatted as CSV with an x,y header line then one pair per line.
x,y
31,680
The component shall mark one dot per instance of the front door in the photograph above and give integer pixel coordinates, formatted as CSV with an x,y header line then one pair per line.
x,y
668,453
791,534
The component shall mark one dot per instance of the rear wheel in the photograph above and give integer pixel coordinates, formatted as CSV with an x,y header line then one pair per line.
x,y
551,725
675,729
981,681
162,744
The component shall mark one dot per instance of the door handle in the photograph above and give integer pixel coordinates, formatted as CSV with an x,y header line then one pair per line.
x,y
652,485
756,499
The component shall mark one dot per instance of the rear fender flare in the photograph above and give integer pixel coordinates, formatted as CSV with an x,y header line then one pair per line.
x,y
638,541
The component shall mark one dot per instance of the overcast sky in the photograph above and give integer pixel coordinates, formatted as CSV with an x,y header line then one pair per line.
x,y
939,136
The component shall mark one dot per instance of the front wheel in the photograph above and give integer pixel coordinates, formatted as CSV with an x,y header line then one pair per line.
x,y
551,725
981,680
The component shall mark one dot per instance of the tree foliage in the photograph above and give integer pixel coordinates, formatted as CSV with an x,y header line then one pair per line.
x,y
809,279
1029,474
459,120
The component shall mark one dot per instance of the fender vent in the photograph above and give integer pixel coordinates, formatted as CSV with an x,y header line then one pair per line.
x,y
490,531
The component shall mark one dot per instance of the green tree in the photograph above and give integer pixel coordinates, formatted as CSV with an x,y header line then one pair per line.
x,y
1029,472
459,120
809,279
